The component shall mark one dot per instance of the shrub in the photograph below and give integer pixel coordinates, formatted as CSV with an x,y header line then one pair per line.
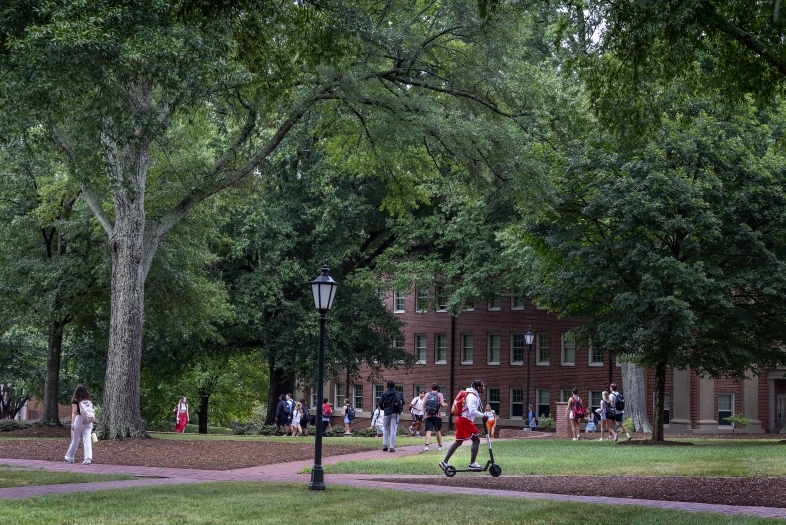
x,y
546,422
11,425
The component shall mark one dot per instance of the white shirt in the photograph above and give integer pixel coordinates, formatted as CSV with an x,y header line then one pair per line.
x,y
473,402
613,398
417,406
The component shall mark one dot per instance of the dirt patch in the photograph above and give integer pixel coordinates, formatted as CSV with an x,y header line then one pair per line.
x,y
762,492
140,452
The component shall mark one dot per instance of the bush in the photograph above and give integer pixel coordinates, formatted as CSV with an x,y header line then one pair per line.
x,y
546,422
11,425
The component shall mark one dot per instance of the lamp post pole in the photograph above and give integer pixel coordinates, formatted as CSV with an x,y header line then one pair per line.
x,y
324,290
528,338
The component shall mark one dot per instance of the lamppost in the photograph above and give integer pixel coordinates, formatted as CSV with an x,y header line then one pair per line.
x,y
324,290
528,338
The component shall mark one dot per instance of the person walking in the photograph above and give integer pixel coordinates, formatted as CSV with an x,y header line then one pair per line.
x,y
282,415
432,415
416,409
297,417
306,417
181,415
378,421
347,420
327,411
465,426
619,408
574,412
392,403
80,430
606,417
491,420
290,414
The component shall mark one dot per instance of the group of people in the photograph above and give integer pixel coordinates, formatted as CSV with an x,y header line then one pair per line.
x,y
608,414
293,417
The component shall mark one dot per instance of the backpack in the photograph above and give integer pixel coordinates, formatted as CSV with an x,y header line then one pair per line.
x,y
287,408
459,403
350,412
306,417
610,411
86,411
431,406
619,402
578,408
398,403
326,410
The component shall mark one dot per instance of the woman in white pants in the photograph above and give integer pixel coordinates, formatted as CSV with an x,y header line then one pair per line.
x,y
79,429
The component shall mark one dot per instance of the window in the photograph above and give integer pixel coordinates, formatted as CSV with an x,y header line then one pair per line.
x,y
400,388
543,401
517,403
666,408
442,298
517,349
595,397
420,349
381,294
422,300
568,349
493,350
493,399
398,344
314,402
357,400
467,348
517,300
544,348
441,347
596,356
340,395
725,409
469,306
564,395
495,303
399,300
417,389
378,389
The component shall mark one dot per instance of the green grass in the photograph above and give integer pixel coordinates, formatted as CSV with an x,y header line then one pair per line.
x,y
255,503
13,477
707,457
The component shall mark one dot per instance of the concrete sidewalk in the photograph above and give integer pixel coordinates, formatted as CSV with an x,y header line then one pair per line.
x,y
288,472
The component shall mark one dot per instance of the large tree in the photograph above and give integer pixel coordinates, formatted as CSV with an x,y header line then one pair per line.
x,y
673,249
123,86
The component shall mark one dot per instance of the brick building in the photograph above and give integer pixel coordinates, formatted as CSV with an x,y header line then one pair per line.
x,y
486,341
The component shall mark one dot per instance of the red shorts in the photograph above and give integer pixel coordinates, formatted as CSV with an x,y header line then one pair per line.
x,y
465,429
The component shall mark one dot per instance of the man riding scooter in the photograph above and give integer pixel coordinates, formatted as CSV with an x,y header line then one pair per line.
x,y
465,426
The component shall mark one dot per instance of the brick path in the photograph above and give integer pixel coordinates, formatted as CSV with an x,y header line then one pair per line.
x,y
288,472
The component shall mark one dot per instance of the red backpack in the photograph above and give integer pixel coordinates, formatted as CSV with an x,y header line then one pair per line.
x,y
578,408
459,403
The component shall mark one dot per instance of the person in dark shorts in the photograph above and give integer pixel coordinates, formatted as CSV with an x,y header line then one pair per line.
x,y
282,414
433,420
620,414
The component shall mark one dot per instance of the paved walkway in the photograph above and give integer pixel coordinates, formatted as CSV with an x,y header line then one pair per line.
x,y
288,472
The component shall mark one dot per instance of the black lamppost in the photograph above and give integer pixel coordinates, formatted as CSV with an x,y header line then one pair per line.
x,y
528,338
324,290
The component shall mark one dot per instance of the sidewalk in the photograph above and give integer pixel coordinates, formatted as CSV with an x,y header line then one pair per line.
x,y
288,472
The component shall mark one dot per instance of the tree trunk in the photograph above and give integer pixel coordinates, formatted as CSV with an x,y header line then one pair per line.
x,y
203,404
660,389
634,386
279,384
54,350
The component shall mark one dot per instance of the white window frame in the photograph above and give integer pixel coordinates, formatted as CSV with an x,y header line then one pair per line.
x,y
396,297
440,298
517,299
564,337
420,349
489,348
593,406
730,410
564,394
513,347
538,401
338,398
495,304
666,408
437,349
464,339
378,391
539,361
382,294
592,356
357,397
421,300
493,392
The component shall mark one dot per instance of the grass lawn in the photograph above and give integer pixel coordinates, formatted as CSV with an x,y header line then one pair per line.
x,y
241,503
13,477
707,457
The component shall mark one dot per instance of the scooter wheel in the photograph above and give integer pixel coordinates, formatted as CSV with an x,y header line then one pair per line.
x,y
450,471
495,471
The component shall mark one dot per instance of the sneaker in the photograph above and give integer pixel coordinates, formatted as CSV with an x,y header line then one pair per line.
x,y
68,460
86,462
575,439
440,448
384,449
411,432
443,465
417,435
475,466
627,437
392,450
601,439
425,449
616,436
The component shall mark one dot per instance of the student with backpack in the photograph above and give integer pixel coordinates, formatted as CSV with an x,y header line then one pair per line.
x,y
618,402
349,414
416,409
574,413
283,415
305,418
327,411
392,403
82,417
467,407
432,416
378,421
297,417
606,416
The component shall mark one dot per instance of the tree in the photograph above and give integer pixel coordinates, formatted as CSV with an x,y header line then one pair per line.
x,y
673,250
124,85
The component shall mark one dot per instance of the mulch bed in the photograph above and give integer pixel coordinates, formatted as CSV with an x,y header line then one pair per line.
x,y
140,452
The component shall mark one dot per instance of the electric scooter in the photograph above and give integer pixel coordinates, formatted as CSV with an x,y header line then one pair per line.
x,y
491,467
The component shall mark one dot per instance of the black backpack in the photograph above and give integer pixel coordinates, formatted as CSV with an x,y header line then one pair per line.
x,y
350,412
619,402
287,408
431,406
306,417
398,403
